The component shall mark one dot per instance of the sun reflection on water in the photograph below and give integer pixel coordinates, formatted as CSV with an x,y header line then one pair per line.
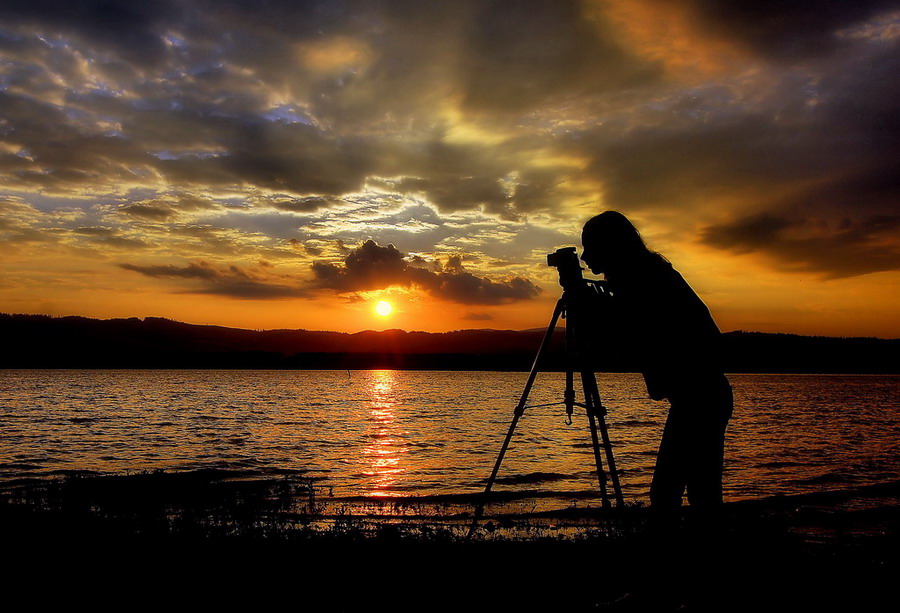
x,y
385,449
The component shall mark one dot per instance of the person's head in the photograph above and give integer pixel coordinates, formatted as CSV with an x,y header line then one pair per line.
x,y
611,243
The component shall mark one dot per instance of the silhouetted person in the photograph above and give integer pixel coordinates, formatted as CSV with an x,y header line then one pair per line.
x,y
660,324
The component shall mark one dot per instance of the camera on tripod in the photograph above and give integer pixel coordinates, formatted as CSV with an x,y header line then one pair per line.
x,y
575,306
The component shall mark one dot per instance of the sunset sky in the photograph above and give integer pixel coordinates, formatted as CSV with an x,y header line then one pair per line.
x,y
276,164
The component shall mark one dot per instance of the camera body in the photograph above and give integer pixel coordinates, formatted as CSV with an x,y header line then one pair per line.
x,y
565,260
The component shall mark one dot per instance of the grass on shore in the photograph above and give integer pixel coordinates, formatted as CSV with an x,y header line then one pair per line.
x,y
214,538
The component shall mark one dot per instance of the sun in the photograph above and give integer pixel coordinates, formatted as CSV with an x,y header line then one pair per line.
x,y
384,308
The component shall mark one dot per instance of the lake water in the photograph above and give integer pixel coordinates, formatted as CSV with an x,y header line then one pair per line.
x,y
414,433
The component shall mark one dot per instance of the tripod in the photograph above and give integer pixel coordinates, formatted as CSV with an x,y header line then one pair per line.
x,y
570,307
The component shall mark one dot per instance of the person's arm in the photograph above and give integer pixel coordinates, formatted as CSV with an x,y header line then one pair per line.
x,y
611,330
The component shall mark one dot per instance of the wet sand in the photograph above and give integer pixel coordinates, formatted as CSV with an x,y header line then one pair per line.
x,y
164,540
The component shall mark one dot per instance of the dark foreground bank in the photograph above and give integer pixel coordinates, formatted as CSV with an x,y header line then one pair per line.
x,y
198,541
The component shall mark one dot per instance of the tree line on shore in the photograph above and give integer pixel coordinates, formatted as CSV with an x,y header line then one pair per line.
x,y
40,341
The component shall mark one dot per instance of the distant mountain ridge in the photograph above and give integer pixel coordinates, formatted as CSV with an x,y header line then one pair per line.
x,y
41,341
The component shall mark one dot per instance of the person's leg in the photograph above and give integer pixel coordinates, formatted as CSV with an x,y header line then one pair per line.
x,y
669,481
707,551
670,474
658,585
705,451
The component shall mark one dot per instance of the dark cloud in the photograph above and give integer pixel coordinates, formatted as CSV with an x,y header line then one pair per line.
x,y
845,249
371,266
94,231
298,159
57,154
123,242
191,271
787,30
494,178
748,234
459,193
206,239
109,237
18,234
195,124
152,212
418,261
295,158
232,282
520,54
458,285
859,116
300,205
131,29
538,190
368,267
675,164
821,151
303,248
189,202
166,207
477,317
247,289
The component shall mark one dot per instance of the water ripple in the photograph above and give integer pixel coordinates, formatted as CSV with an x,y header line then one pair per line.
x,y
381,433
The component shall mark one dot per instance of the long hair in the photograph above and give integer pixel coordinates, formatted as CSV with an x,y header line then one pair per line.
x,y
619,237
616,230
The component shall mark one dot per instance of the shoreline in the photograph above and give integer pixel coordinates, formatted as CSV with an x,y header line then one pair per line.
x,y
835,548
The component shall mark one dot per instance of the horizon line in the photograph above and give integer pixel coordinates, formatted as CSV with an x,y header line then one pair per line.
x,y
212,325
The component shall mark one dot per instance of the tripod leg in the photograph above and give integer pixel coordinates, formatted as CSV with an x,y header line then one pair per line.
x,y
519,410
590,389
592,411
572,356
595,410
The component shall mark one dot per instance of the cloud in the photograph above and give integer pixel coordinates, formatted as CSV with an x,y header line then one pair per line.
x,y
131,29
786,30
153,212
459,193
200,114
368,267
300,205
17,214
191,271
810,150
59,155
845,249
232,282
477,317
522,54
306,249
167,207
748,234
371,267
282,130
